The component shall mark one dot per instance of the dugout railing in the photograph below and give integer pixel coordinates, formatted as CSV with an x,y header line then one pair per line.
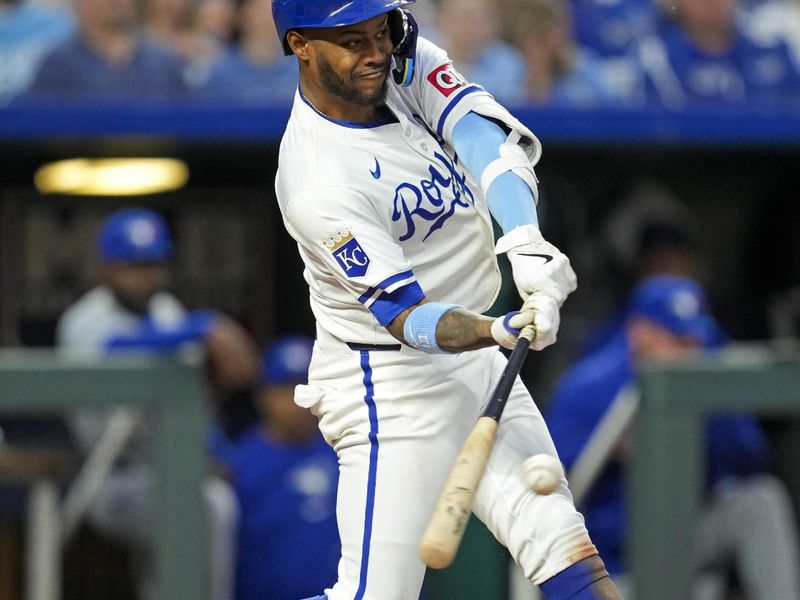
x,y
667,470
44,381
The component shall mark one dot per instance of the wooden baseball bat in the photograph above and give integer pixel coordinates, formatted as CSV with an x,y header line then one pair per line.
x,y
449,519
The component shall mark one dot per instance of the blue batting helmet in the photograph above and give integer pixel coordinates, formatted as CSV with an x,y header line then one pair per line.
x,y
134,235
286,360
297,14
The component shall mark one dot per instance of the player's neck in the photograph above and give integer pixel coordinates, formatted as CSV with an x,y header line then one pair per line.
x,y
335,108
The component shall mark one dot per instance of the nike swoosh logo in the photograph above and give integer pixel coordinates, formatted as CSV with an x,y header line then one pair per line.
x,y
547,257
377,172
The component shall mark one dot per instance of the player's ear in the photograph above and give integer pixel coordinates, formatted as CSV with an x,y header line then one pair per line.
x,y
297,44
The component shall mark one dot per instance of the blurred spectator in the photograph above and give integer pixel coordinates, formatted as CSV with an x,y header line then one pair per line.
x,y
558,72
173,24
27,32
256,71
470,30
614,31
285,476
776,20
425,13
707,58
650,233
746,521
217,19
108,60
131,311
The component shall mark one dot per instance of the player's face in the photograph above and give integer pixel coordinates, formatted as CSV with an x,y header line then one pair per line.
x,y
352,62
135,284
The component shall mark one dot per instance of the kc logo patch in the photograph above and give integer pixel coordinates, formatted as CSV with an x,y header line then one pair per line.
x,y
446,79
348,253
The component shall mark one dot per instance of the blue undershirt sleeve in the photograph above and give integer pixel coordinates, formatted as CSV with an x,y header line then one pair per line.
x,y
477,141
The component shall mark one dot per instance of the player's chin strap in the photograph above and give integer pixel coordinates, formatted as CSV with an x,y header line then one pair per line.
x,y
404,31
514,158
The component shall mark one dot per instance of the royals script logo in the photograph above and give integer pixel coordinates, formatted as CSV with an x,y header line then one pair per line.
x,y
432,201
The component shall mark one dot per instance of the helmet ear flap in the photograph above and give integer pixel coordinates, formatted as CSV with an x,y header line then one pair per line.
x,y
403,30
398,25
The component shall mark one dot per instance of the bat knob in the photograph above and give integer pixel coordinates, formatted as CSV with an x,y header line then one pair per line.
x,y
435,555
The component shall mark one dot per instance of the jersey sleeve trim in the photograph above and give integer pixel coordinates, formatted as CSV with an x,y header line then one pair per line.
x,y
471,89
389,284
386,306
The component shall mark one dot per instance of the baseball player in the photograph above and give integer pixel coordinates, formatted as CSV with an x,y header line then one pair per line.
x,y
131,311
390,171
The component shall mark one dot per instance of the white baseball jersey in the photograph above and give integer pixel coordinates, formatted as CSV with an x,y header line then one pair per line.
x,y
384,215
399,218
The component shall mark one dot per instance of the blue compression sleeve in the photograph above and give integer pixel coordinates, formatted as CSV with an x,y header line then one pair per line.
x,y
477,141
157,339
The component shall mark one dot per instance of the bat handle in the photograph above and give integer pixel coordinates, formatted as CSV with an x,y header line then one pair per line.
x,y
528,332
498,399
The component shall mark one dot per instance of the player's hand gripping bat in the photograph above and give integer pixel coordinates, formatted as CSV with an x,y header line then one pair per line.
x,y
449,519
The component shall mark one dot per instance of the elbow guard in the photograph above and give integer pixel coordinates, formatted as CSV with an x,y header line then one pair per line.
x,y
512,158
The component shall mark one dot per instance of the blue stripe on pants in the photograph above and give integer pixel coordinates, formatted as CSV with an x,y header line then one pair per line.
x,y
369,400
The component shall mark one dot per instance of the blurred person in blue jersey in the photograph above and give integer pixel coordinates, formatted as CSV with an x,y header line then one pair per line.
x,y
776,20
254,71
109,60
558,72
28,30
649,232
285,476
746,521
614,31
471,30
131,311
705,57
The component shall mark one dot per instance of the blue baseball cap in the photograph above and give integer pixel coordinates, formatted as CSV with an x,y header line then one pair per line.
x,y
679,305
134,235
286,360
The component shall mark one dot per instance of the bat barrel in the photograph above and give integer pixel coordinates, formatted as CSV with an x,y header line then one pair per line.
x,y
450,517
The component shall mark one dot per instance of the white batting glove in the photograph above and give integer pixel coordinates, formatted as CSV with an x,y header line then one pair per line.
x,y
505,329
539,310
537,265
547,319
